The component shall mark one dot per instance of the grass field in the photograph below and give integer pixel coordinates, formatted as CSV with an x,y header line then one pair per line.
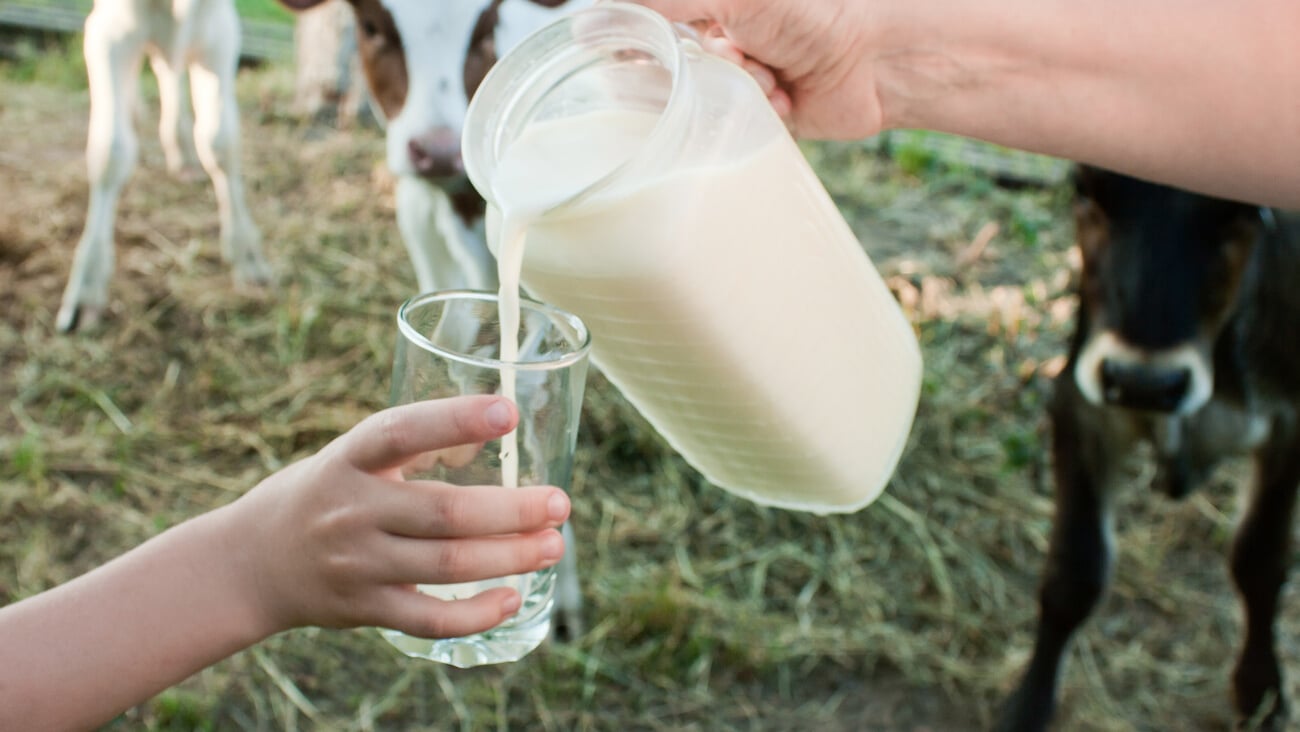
x,y
705,612
264,10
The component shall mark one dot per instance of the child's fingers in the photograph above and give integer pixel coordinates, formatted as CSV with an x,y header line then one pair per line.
x,y
434,562
451,457
433,510
389,438
417,614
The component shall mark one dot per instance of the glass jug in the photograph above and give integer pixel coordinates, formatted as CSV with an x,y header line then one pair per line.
x,y
659,198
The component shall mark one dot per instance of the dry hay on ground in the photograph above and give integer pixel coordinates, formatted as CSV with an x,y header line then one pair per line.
x,y
705,611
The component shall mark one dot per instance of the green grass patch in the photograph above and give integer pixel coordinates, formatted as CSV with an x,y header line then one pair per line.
x,y
265,11
53,61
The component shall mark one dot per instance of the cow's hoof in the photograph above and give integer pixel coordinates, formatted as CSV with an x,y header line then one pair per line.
x,y
253,272
1272,716
566,627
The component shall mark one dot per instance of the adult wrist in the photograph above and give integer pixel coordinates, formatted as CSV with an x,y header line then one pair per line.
x,y
941,64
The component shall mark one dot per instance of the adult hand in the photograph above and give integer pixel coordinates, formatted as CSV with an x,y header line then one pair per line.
x,y
341,538
811,57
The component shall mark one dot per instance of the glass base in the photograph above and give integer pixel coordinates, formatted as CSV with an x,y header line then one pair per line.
x,y
503,644
509,641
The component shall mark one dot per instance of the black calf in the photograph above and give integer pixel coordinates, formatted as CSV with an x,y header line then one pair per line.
x,y
1188,336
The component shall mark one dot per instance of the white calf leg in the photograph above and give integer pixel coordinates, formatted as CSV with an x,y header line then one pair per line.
x,y
420,205
468,250
175,123
216,139
568,621
112,65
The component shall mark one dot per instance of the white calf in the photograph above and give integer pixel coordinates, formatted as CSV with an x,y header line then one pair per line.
x,y
423,60
201,36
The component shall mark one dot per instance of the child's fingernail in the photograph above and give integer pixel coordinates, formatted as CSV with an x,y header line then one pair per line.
x,y
511,603
552,547
557,506
498,415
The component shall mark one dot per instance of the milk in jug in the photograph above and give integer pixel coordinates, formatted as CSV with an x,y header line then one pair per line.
x,y
648,187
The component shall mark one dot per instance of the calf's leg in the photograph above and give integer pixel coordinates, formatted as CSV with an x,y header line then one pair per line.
x,y
1078,561
175,123
445,254
216,139
1260,555
113,54
568,621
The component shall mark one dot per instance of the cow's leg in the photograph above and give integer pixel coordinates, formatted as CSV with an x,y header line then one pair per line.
x,y
216,139
1078,560
113,53
568,618
469,252
175,123
445,254
419,205
1260,555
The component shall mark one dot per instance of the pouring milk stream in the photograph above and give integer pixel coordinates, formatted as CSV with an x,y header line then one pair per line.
x,y
728,299
583,155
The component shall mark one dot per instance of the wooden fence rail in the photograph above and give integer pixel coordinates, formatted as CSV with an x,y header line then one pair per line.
x,y
261,41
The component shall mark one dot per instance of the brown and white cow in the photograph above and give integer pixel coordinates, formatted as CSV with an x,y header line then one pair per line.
x,y
1185,339
423,60
198,36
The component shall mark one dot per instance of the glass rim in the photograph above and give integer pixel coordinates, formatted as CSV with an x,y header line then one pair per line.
x,y
564,360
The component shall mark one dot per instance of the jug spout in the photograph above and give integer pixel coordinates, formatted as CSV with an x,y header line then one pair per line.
x,y
612,57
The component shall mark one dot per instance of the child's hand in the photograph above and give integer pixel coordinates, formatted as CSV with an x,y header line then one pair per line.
x,y
341,538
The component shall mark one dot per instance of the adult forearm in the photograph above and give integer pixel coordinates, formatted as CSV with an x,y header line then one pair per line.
x,y
1197,93
75,656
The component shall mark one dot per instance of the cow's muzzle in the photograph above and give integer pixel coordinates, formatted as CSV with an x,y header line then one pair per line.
x,y
1110,372
1144,386
436,154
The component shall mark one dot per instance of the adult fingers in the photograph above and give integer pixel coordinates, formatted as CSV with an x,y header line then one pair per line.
x,y
684,10
762,74
433,510
783,105
425,562
717,43
415,613
389,438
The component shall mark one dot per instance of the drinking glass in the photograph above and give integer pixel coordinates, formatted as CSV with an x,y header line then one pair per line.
x,y
449,344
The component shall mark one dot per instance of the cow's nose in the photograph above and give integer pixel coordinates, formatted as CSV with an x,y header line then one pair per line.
x,y
1144,386
436,153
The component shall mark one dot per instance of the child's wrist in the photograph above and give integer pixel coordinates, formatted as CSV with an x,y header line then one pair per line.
x,y
241,564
